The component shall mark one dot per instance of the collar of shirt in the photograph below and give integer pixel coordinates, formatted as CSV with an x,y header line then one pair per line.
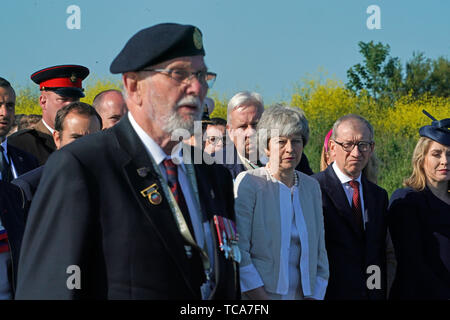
x,y
48,127
154,149
342,176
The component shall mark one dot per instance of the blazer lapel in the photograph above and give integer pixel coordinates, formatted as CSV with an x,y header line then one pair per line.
x,y
370,208
138,169
338,197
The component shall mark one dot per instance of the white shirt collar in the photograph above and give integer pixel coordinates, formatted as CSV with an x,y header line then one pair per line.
x,y
342,176
153,148
47,126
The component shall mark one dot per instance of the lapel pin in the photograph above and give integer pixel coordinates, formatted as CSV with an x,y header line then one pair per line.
x,y
213,196
152,194
142,172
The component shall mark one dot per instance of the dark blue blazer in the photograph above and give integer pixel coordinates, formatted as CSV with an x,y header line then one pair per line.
x,y
23,161
12,217
351,251
419,224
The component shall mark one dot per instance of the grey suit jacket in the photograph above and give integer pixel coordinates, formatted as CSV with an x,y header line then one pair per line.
x,y
258,216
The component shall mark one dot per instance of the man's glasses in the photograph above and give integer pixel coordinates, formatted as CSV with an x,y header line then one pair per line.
x,y
204,77
363,146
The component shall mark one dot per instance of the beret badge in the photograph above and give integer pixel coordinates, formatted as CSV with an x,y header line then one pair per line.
x,y
198,42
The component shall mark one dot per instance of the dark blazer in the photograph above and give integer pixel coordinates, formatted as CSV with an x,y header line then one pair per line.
x,y
23,161
350,251
419,224
29,182
96,218
12,217
37,141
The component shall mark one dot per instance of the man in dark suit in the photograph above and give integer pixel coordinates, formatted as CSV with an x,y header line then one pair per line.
x,y
354,215
59,86
12,225
13,161
129,216
72,122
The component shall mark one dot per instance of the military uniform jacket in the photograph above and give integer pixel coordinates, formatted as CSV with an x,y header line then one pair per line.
x,y
37,141
97,219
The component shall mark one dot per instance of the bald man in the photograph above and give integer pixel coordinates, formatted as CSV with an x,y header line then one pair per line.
x,y
111,106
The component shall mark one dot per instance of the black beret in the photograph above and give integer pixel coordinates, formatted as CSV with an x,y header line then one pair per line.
x,y
65,80
156,44
437,131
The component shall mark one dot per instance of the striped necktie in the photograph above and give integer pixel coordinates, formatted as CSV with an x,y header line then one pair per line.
x,y
174,185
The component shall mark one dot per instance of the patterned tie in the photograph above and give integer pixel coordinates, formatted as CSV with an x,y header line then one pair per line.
x,y
356,204
5,167
174,185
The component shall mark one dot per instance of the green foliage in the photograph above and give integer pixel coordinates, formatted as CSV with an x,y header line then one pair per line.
x,y
382,76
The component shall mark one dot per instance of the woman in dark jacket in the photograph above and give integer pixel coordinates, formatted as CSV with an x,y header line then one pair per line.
x,y
419,220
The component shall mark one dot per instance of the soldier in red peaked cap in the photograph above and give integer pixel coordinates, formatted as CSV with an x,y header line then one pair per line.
x,y
59,86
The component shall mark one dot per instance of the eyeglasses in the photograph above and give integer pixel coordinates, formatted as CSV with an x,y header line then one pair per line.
x,y
180,75
363,146
215,139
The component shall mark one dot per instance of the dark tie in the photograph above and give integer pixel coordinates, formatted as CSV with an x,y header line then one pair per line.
x,y
356,204
174,185
5,167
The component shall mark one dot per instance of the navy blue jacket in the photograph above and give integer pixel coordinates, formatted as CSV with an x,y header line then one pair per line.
x,y
12,216
351,251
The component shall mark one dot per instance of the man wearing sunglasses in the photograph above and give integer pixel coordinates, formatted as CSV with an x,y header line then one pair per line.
x,y
354,212
134,216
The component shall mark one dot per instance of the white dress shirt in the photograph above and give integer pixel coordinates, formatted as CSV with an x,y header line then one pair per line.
x,y
344,179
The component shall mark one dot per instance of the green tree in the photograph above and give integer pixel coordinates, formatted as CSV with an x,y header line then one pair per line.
x,y
379,74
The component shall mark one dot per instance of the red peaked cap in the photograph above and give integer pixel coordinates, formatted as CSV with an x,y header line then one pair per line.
x,y
65,80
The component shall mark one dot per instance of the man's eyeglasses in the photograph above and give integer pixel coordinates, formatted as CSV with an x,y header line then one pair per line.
x,y
204,77
363,146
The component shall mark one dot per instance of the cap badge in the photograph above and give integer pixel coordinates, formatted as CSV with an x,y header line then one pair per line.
x,y
198,42
73,78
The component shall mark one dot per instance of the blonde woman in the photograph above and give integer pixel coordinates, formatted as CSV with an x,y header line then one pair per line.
x,y
419,220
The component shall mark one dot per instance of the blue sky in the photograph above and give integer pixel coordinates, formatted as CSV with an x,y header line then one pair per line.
x,y
264,46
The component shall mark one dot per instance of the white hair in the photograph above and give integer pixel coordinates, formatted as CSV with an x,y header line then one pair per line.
x,y
243,99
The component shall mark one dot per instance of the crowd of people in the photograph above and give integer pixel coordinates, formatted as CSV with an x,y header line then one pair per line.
x,y
110,201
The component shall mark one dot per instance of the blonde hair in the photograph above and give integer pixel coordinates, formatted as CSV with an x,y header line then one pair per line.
x,y
418,179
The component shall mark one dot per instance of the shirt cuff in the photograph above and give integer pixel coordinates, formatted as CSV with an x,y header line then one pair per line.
x,y
320,288
250,278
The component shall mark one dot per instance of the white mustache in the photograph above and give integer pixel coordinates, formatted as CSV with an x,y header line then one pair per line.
x,y
191,101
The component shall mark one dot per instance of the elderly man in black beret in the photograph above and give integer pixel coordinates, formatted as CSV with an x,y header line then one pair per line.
x,y
131,217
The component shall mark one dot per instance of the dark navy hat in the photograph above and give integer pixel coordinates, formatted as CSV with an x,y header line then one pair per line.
x,y
64,80
157,44
437,131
